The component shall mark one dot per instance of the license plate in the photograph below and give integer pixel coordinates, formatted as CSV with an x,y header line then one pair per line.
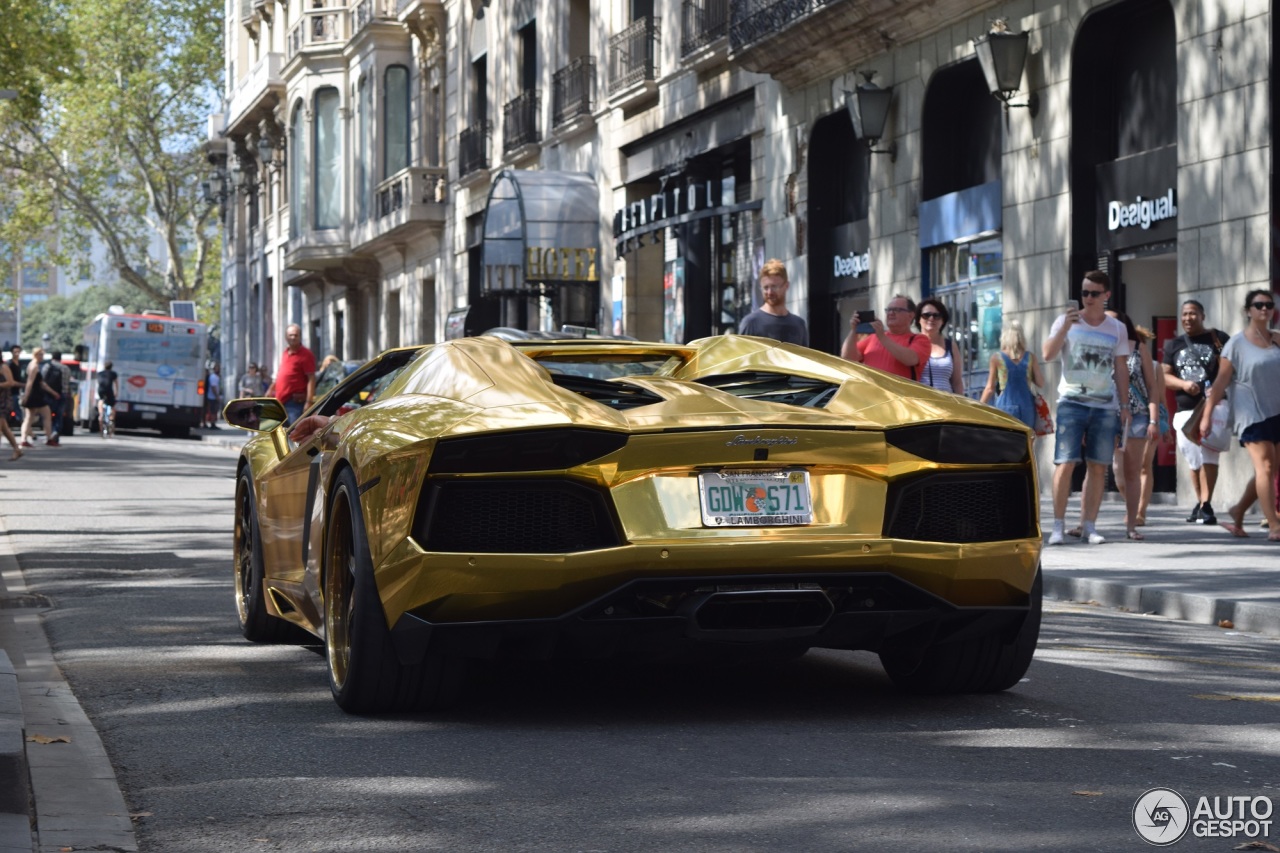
x,y
143,407
122,407
755,498
148,416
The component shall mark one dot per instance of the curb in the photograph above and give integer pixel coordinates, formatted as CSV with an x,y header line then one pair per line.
x,y
1252,616
15,777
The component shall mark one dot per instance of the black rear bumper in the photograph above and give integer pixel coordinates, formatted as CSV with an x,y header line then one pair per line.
x,y
662,617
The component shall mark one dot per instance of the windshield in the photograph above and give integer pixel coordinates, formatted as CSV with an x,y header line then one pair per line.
x,y
597,366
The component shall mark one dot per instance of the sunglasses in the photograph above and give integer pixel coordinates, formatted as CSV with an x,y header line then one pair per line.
x,y
1092,294
897,310
1263,306
931,315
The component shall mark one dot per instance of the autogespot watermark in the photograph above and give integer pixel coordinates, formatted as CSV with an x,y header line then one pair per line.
x,y
1162,817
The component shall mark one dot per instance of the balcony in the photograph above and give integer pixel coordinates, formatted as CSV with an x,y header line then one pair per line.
x,y
704,31
407,205
520,123
375,20
633,62
318,250
256,95
317,31
366,12
473,150
799,42
573,93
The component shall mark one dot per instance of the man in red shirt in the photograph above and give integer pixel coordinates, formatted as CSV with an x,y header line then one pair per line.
x,y
295,382
893,349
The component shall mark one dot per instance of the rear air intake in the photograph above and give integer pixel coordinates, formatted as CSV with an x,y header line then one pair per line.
x,y
514,517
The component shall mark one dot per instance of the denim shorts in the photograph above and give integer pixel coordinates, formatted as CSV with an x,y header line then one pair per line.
x,y
1268,430
1086,428
1138,425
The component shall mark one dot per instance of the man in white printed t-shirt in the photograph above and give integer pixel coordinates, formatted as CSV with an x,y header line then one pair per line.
x,y
1093,400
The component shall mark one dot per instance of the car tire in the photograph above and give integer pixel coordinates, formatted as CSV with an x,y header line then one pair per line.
x,y
365,673
983,664
256,623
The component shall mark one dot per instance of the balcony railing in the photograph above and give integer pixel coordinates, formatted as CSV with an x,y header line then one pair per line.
x,y
473,148
751,21
520,120
573,90
408,188
324,26
365,12
633,55
704,22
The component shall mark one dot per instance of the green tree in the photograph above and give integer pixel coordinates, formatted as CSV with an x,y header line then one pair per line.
x,y
117,152
35,49
63,318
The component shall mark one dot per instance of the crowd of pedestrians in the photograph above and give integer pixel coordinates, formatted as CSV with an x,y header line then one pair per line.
x,y
1111,413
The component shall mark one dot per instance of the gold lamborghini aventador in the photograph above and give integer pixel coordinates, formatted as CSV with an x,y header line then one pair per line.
x,y
485,498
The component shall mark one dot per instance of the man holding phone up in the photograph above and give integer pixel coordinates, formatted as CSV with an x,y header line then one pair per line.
x,y
1093,400
889,346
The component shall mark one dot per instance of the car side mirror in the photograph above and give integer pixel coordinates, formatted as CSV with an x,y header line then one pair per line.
x,y
259,414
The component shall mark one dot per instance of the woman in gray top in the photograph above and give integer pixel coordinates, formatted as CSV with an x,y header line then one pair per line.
x,y
1250,365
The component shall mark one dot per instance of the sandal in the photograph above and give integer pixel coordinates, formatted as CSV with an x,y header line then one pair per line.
x,y
1234,529
1134,535
17,454
1142,521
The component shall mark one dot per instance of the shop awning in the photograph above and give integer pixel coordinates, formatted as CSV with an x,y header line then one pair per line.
x,y
541,228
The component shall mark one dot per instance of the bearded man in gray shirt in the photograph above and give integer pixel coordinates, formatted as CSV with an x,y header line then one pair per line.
x,y
772,319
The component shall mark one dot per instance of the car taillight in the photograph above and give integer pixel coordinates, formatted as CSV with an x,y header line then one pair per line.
x,y
200,388
534,450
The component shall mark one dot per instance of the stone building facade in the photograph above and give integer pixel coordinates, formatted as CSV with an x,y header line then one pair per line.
x,y
379,157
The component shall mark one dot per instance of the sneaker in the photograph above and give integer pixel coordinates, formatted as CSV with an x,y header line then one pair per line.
x,y
26,443
1056,538
53,442
1207,516
1096,538
1194,518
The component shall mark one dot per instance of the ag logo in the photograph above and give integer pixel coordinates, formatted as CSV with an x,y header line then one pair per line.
x,y
1161,817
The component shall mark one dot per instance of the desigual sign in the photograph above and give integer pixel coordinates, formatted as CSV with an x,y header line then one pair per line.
x,y
1141,211
852,265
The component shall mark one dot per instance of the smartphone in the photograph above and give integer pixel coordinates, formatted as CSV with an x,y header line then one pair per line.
x,y
1073,303
865,321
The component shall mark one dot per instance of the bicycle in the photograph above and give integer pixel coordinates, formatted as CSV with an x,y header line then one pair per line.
x,y
107,419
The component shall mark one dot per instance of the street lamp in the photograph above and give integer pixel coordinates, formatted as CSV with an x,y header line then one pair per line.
x,y
1003,56
868,107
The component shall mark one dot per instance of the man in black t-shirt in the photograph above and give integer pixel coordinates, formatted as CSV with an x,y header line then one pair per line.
x,y
108,390
1190,366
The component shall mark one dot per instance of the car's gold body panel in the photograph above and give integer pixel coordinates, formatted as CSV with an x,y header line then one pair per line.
x,y
482,386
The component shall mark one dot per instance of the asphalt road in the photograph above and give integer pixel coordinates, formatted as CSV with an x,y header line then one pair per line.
x,y
220,745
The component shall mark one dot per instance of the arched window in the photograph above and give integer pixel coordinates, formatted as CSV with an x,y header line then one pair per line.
x,y
327,175
297,171
364,147
395,119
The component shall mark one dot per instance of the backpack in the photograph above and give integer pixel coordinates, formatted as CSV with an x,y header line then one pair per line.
x,y
52,376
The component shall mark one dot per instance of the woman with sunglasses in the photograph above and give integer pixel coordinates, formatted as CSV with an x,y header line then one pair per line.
x,y
1249,373
942,371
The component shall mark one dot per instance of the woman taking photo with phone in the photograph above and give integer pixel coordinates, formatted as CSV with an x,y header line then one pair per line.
x,y
1249,373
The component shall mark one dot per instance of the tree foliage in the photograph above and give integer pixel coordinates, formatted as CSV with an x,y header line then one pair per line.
x,y
63,318
35,49
117,151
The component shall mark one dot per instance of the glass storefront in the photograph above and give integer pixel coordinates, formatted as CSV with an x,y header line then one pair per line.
x,y
968,278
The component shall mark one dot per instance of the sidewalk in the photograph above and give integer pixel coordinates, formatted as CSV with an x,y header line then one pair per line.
x,y
64,795
1182,571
